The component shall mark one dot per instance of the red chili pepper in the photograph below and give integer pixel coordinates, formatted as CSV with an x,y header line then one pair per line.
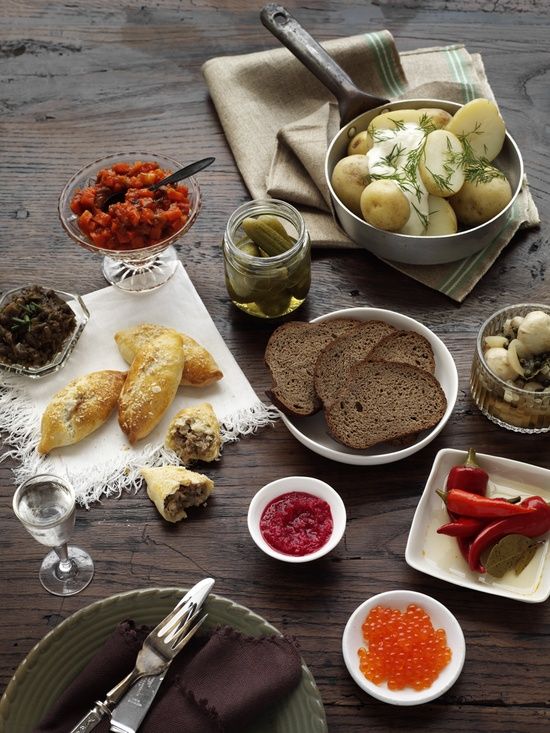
x,y
462,527
464,546
533,524
469,476
467,504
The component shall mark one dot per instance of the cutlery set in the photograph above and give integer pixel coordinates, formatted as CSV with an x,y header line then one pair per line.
x,y
127,702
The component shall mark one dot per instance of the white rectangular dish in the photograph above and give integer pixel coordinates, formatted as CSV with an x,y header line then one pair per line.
x,y
439,556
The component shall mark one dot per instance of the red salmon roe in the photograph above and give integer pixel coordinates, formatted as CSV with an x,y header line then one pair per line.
x,y
144,218
403,648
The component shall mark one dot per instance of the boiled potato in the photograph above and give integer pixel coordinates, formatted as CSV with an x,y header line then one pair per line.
x,y
392,120
384,205
440,166
438,117
480,123
415,226
349,178
480,199
360,144
441,217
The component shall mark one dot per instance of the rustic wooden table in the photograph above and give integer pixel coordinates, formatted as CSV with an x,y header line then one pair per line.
x,y
83,79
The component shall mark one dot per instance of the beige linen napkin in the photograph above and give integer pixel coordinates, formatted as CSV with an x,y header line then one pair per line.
x,y
104,463
278,120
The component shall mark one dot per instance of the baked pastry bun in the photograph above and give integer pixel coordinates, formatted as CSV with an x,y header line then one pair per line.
x,y
194,434
173,489
200,368
151,385
79,408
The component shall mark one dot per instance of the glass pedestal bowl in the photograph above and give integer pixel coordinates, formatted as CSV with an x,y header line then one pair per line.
x,y
132,270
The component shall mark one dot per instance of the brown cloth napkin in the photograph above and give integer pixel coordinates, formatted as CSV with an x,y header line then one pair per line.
x,y
278,120
218,683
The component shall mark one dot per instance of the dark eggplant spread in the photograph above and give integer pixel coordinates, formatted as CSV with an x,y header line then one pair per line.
x,y
34,325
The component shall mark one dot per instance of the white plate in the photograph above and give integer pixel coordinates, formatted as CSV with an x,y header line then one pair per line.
x,y
441,618
439,556
312,431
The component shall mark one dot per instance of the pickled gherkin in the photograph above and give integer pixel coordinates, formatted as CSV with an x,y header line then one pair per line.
x,y
275,223
266,237
247,246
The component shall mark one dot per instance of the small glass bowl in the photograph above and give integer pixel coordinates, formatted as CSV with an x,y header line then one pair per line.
x,y
505,404
134,270
59,360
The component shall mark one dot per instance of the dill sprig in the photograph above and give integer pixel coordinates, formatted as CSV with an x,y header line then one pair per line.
x,y
424,218
399,124
426,124
392,158
406,176
477,170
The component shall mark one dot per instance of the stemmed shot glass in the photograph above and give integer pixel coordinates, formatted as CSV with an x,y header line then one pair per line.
x,y
45,505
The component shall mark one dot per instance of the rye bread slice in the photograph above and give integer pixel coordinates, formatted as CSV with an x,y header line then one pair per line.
x,y
406,347
336,359
290,355
384,401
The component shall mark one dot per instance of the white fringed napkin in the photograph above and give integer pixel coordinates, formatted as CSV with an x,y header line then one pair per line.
x,y
104,464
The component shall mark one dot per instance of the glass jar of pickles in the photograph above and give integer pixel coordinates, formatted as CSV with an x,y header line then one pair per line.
x,y
267,256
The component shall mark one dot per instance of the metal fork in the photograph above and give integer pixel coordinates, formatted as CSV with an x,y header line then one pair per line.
x,y
158,650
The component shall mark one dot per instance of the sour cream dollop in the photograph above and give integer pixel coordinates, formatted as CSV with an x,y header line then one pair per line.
x,y
395,155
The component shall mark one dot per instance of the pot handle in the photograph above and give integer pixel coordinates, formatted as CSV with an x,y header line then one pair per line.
x,y
351,100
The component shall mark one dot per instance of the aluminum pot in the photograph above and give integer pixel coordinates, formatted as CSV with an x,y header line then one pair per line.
x,y
357,109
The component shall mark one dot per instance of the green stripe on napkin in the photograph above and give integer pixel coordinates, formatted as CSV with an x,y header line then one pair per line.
x,y
391,72
459,65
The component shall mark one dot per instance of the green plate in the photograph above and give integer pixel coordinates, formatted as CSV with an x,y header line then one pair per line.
x,y
63,652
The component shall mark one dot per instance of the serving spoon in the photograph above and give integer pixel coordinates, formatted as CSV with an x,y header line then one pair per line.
x,y
179,175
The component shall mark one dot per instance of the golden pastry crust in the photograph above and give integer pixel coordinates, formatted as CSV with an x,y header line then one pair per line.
x,y
151,385
79,408
194,434
200,367
173,489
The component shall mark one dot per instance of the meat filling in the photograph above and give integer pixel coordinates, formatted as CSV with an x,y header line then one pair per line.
x,y
184,497
193,439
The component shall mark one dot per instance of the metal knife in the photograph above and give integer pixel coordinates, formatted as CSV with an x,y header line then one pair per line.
x,y
130,711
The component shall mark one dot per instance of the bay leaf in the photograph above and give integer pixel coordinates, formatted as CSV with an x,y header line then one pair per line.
x,y
506,553
484,556
524,559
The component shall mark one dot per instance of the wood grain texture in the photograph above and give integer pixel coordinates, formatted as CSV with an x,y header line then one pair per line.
x,y
81,80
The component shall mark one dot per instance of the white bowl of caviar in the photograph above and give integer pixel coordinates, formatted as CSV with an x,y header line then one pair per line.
x,y
296,519
403,647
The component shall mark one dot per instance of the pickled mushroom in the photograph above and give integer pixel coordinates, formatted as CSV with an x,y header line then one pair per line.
x,y
496,359
511,326
534,332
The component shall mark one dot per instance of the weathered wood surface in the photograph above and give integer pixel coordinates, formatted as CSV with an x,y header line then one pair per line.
x,y
83,79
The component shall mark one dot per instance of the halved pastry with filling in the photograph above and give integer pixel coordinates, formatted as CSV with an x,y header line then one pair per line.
x,y
173,489
194,434
200,368
78,409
